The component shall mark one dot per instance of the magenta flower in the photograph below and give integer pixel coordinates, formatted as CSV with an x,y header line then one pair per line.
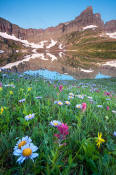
x,y
108,108
63,132
97,90
63,129
84,106
60,88
107,93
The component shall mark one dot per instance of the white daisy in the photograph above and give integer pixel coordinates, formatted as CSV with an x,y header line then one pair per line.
x,y
108,99
80,96
38,97
55,123
114,111
10,85
22,142
22,100
100,106
67,102
78,106
29,117
27,151
70,97
71,94
59,103
90,98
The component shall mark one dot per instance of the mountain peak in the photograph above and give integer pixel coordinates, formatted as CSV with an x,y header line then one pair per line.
x,y
88,10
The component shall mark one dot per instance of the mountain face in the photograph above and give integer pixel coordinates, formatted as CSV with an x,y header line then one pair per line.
x,y
87,17
110,26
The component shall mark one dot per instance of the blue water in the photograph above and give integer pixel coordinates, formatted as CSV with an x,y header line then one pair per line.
x,y
57,76
50,75
100,76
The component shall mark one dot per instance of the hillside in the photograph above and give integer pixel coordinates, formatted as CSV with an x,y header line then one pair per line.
x,y
89,47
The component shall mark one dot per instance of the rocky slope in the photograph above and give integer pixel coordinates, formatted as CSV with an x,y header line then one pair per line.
x,y
11,51
87,17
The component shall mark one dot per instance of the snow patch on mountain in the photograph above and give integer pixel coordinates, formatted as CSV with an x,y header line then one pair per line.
x,y
87,71
53,43
89,27
1,51
110,63
26,43
112,35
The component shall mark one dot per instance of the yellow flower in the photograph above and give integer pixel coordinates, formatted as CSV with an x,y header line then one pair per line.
x,y
11,92
99,139
21,89
29,89
0,88
1,110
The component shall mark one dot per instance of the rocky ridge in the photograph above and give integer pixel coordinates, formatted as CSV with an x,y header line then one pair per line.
x,y
87,17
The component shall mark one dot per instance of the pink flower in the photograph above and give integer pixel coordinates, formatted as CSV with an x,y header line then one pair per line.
x,y
63,131
97,90
57,135
60,88
107,93
84,106
108,108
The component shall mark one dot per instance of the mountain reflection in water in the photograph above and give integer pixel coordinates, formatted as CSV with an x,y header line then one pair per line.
x,y
62,65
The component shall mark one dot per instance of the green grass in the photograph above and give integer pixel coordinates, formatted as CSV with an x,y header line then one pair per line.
x,y
80,155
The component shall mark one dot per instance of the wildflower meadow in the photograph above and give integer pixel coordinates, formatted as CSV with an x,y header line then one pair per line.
x,y
57,127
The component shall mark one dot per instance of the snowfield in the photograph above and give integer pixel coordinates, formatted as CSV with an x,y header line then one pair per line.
x,y
53,43
1,51
87,71
28,44
89,27
34,54
110,63
112,35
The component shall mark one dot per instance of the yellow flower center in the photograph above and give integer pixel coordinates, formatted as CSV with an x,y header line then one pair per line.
x,y
29,116
21,144
67,102
27,152
55,124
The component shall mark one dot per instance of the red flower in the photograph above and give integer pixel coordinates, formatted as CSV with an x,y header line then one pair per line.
x,y
84,106
60,88
63,129
107,93
108,108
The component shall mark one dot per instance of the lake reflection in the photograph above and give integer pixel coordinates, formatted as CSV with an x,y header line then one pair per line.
x,y
63,66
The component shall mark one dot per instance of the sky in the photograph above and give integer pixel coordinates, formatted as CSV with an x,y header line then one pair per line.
x,y
46,13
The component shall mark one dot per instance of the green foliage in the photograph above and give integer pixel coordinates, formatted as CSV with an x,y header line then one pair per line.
x,y
80,155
